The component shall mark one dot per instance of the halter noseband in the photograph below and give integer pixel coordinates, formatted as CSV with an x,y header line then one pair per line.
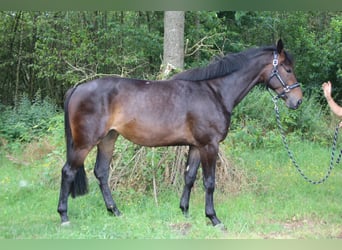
x,y
275,73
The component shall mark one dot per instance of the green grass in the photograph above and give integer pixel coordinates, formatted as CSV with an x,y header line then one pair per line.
x,y
277,202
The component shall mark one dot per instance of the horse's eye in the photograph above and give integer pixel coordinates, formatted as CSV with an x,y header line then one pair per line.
x,y
286,69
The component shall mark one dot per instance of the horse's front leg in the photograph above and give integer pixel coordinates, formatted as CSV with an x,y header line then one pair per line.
x,y
208,160
190,173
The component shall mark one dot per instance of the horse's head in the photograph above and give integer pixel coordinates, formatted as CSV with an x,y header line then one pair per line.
x,y
281,78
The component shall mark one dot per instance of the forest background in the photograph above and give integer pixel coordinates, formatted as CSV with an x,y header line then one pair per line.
x,y
47,52
43,53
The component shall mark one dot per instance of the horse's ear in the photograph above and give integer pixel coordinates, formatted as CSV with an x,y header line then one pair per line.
x,y
280,46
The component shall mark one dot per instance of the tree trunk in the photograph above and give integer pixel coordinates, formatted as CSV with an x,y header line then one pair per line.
x,y
173,41
17,80
173,60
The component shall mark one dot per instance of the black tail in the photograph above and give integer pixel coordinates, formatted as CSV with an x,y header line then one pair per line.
x,y
80,184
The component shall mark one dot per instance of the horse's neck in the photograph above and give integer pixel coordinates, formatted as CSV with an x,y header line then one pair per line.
x,y
235,87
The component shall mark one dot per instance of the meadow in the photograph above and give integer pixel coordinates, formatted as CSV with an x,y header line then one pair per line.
x,y
265,198
275,203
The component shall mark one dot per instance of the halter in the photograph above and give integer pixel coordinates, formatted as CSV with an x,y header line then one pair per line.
x,y
275,73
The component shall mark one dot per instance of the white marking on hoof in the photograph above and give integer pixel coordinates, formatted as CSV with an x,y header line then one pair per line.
x,y
187,168
65,224
221,227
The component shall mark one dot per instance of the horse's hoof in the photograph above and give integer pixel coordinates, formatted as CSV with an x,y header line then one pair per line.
x,y
114,211
117,213
65,224
186,214
221,227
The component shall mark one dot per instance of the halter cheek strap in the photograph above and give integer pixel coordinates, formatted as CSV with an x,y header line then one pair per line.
x,y
275,73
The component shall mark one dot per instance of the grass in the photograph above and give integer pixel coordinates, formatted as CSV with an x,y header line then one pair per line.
x,y
277,202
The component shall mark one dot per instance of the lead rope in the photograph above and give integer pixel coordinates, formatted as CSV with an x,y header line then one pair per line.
x,y
289,152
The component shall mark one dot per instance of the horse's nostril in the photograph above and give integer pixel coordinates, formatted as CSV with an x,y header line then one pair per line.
x,y
296,105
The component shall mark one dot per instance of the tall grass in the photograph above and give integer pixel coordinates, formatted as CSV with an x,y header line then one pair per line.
x,y
278,203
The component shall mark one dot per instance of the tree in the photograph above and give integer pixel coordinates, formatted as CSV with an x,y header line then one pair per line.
x,y
173,41
49,51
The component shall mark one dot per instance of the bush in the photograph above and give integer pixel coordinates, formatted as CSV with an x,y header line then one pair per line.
x,y
254,121
27,120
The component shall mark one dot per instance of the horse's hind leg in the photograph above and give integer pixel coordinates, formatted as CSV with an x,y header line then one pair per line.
x,y
68,175
73,182
190,173
104,156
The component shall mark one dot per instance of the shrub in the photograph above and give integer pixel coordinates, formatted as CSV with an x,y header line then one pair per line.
x,y
254,121
28,119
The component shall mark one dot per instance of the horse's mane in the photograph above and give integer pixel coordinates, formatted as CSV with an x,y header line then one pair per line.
x,y
222,66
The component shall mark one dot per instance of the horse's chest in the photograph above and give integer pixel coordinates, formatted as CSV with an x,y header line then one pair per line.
x,y
208,126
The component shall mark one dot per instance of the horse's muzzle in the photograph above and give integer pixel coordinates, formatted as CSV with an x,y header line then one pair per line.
x,y
295,105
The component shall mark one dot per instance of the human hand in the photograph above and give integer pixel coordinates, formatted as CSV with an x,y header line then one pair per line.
x,y
327,89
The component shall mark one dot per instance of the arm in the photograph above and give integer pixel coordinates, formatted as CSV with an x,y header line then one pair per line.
x,y
335,108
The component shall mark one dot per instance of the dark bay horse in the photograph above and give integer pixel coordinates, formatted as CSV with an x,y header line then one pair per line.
x,y
193,108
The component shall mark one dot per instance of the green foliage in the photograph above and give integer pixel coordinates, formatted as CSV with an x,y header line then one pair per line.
x,y
254,121
27,120
52,50
313,40
97,42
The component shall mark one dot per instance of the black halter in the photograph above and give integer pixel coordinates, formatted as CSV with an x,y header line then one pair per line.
x,y
275,73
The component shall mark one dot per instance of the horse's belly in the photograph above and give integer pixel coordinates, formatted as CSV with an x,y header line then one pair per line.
x,y
154,135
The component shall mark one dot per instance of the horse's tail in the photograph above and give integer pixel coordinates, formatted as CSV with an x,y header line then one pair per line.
x,y
80,184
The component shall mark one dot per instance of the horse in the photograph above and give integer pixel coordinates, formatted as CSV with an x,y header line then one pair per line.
x,y
193,108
